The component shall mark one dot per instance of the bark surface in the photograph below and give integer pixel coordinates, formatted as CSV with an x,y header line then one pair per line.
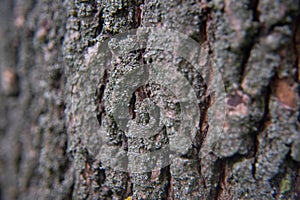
x,y
55,100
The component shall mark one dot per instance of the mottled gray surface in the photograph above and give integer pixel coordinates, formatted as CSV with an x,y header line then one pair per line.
x,y
54,93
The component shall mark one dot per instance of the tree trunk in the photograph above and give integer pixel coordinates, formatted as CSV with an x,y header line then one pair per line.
x,y
63,103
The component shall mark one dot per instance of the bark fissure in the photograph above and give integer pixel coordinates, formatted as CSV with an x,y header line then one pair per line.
x,y
220,176
261,128
251,38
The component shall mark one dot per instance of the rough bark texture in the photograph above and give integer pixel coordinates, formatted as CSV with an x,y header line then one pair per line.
x,y
53,101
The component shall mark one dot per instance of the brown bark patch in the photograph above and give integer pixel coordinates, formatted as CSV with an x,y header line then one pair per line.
x,y
286,94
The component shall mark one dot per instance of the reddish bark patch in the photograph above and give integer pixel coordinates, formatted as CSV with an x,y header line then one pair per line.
x,y
87,174
10,82
286,94
237,104
235,100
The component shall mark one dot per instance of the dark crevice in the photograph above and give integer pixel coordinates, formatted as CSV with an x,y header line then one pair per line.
x,y
69,195
64,167
261,127
56,76
202,31
255,12
219,178
246,48
132,106
18,160
129,187
255,149
166,176
99,98
203,129
251,38
203,26
170,192
99,174
99,27
139,15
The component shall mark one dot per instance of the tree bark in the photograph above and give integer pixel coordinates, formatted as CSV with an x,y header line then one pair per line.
x,y
57,100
